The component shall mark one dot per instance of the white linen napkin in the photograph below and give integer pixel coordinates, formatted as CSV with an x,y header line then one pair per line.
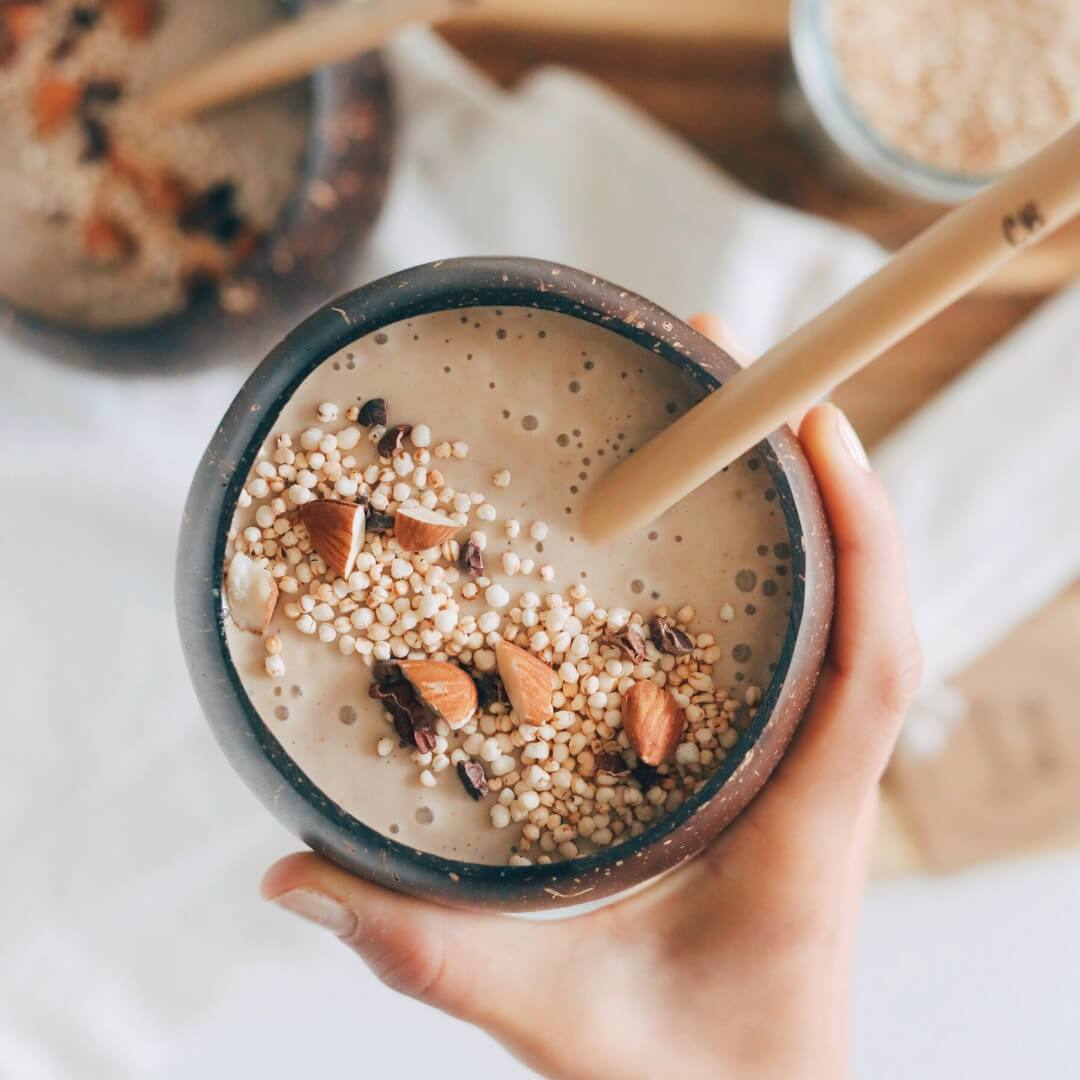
x,y
984,481
135,942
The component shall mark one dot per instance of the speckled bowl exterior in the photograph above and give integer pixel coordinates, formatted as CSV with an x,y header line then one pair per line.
x,y
308,257
258,756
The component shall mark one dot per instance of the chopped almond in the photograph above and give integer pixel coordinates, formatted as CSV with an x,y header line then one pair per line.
x,y
245,244
55,104
137,18
161,190
20,20
204,258
107,240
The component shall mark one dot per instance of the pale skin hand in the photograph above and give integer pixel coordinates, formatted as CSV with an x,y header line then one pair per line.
x,y
738,964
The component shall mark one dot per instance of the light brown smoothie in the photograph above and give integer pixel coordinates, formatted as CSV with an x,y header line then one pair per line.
x,y
553,402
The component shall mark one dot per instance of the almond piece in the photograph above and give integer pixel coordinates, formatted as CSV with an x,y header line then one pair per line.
x,y
528,682
106,240
160,189
336,529
21,20
55,103
444,688
653,722
418,528
251,593
137,18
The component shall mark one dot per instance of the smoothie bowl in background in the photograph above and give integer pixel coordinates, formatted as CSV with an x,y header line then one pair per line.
x,y
406,645
137,242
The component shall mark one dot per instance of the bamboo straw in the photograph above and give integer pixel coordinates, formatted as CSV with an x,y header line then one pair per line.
x,y
330,35
938,267
291,50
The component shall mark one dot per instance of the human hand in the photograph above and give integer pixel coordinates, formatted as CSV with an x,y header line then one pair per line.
x,y
737,964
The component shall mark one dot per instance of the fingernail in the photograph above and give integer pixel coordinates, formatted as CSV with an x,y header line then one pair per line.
x,y
319,909
851,442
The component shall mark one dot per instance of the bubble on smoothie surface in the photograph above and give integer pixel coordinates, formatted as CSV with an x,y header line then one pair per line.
x,y
745,580
424,815
281,712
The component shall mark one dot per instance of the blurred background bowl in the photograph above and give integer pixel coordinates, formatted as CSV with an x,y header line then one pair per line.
x,y
306,259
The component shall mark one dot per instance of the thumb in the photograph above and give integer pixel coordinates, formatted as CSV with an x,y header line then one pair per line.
x,y
451,959
874,661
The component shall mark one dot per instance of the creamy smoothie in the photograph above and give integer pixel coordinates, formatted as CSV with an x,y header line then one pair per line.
x,y
411,529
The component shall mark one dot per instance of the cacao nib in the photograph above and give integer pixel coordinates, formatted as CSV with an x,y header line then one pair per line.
x,y
374,412
96,140
489,689
81,20
101,92
391,442
646,775
213,211
412,719
473,778
630,641
200,287
378,522
424,738
63,48
85,17
7,46
610,761
471,559
387,671
670,640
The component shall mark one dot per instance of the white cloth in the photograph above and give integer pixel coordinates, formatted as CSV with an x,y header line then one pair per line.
x,y
133,940
984,481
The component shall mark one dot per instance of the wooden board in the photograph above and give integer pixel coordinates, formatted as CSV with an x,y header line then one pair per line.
x,y
1008,781
716,72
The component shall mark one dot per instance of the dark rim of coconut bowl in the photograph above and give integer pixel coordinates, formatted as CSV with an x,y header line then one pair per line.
x,y
348,149
266,766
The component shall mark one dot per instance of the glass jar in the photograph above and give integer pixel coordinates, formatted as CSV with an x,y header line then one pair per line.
x,y
820,106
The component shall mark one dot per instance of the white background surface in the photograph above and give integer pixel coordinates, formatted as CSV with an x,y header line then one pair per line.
x,y
133,941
